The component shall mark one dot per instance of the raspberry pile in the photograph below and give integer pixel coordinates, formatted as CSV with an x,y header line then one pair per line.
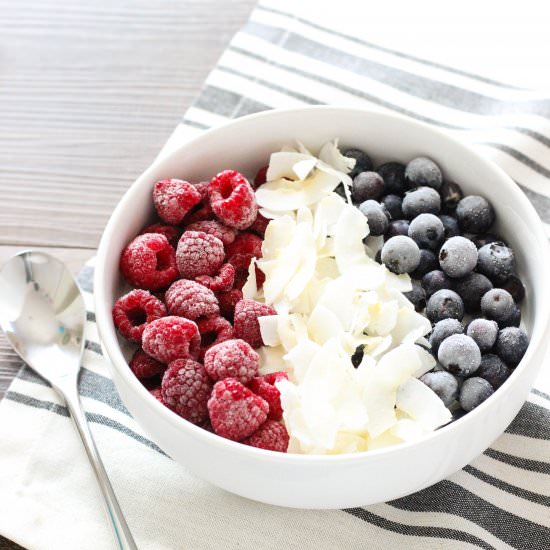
x,y
187,313
463,275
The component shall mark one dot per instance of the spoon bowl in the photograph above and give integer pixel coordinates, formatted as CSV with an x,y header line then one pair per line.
x,y
43,314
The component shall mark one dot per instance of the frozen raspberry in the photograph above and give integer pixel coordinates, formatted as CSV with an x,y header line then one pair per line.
x,y
245,243
199,254
223,280
260,225
271,435
169,231
134,310
202,212
202,188
171,338
227,302
235,412
264,386
186,389
149,262
191,300
232,199
241,263
261,176
213,330
157,394
173,199
212,227
232,359
144,366
245,322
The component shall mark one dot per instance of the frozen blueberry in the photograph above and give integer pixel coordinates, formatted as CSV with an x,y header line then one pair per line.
x,y
393,174
417,296
393,206
363,163
443,384
511,345
513,320
357,356
496,260
444,304
443,329
459,355
473,392
367,185
482,240
458,257
484,333
401,254
427,231
471,289
423,171
497,304
515,287
423,200
428,262
494,370
397,227
377,216
475,214
434,281
451,194
450,225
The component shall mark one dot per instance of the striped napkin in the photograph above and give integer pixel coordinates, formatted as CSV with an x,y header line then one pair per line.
x,y
292,54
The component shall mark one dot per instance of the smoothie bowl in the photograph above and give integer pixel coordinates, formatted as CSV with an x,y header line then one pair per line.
x,y
323,307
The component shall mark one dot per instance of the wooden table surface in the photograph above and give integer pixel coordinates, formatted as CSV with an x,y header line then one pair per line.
x,y
89,93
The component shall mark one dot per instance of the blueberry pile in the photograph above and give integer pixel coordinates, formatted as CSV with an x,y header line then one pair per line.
x,y
462,274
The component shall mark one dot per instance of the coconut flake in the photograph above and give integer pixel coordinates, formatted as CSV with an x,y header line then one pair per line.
x,y
422,404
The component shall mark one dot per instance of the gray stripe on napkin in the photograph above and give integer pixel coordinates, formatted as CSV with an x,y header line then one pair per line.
x,y
417,530
91,417
451,498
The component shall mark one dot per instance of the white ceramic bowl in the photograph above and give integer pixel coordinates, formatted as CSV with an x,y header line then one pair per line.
x,y
345,480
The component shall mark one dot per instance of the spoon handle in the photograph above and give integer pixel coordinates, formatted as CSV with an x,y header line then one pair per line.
x,y
123,537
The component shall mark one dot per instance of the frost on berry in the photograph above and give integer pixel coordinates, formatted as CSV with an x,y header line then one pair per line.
x,y
199,254
223,280
173,199
169,231
232,359
144,366
186,389
149,262
264,386
235,412
232,199
271,436
191,300
171,338
134,310
212,227
245,321
213,330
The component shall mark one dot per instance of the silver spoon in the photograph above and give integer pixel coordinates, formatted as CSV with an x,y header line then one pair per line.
x,y
42,313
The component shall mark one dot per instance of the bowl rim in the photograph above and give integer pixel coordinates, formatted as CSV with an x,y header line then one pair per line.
x,y
110,344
